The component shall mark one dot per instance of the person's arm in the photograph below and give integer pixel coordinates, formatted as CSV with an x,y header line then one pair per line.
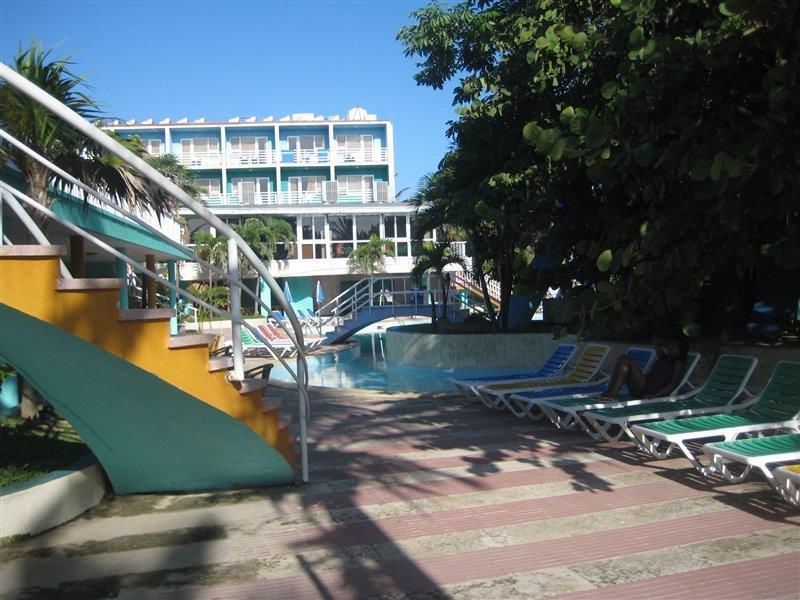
x,y
673,382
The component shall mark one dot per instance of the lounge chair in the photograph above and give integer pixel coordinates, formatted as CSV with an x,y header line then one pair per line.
x,y
758,452
583,371
776,408
566,413
724,386
527,403
788,480
273,332
253,347
552,367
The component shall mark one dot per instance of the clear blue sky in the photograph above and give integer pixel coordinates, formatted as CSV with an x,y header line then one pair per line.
x,y
223,59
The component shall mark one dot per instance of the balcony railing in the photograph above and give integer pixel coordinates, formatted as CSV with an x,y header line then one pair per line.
x,y
239,158
307,156
360,155
329,195
210,159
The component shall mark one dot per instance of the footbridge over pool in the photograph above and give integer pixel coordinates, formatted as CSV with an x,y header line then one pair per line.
x,y
371,300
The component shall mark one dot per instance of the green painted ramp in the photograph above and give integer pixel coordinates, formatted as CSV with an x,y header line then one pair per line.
x,y
148,435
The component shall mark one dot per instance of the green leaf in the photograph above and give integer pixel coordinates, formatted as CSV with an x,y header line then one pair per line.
x,y
604,261
567,115
558,149
645,227
531,132
604,287
716,166
691,330
635,37
608,90
606,153
579,41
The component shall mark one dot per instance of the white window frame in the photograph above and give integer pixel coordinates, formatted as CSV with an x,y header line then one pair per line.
x,y
209,181
314,139
192,142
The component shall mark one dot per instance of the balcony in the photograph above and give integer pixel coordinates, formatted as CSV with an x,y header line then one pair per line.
x,y
360,155
313,156
239,158
201,160
330,194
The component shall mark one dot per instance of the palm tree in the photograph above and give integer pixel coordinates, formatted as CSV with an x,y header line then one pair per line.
x,y
370,258
52,138
435,256
265,234
212,249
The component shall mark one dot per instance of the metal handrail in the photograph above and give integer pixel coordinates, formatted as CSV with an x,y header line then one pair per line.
x,y
153,175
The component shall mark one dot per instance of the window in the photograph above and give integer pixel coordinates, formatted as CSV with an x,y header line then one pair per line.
x,y
210,185
249,145
313,228
367,226
396,228
251,190
153,147
354,146
305,142
281,252
341,228
199,145
360,186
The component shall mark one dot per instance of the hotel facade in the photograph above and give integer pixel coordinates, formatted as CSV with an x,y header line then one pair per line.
x,y
332,179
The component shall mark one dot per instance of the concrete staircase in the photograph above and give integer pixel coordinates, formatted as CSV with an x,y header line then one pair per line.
x,y
158,412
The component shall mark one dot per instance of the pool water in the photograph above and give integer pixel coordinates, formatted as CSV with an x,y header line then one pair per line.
x,y
364,366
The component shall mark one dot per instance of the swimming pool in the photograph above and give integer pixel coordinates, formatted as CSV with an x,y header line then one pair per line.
x,y
364,366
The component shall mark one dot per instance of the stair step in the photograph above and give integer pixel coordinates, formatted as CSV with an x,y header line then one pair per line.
x,y
23,251
284,421
220,363
75,285
192,340
245,386
272,403
146,314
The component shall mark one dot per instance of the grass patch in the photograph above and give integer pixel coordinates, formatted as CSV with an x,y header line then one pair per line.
x,y
30,450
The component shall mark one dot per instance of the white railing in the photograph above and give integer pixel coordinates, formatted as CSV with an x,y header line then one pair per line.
x,y
212,158
12,197
306,156
459,248
240,158
372,292
360,155
329,194
465,279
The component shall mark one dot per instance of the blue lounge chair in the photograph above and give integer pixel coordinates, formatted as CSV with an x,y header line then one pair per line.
x,y
552,367
523,404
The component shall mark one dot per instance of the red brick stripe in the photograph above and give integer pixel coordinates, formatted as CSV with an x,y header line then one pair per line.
x,y
432,572
771,577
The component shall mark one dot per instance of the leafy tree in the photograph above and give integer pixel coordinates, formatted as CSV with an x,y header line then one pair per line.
x,y
435,256
48,135
654,174
212,249
370,258
264,235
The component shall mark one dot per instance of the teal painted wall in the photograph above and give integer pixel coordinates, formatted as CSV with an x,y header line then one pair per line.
x,y
100,269
148,435
302,291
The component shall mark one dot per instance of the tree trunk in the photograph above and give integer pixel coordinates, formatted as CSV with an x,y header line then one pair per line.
x,y
506,275
444,294
487,299
37,178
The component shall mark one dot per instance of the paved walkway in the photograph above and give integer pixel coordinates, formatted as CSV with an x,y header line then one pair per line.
x,y
431,497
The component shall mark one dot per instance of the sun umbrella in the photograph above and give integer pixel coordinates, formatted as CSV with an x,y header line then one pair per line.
x,y
320,293
287,292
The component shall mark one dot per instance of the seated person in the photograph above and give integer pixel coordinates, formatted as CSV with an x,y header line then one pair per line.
x,y
663,377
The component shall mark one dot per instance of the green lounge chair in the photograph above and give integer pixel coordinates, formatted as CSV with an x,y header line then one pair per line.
x,y
788,480
584,371
724,386
759,452
776,408
567,413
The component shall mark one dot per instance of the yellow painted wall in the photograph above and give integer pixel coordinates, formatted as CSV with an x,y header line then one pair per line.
x,y
28,284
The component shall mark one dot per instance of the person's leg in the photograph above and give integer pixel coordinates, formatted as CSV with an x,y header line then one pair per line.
x,y
628,372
